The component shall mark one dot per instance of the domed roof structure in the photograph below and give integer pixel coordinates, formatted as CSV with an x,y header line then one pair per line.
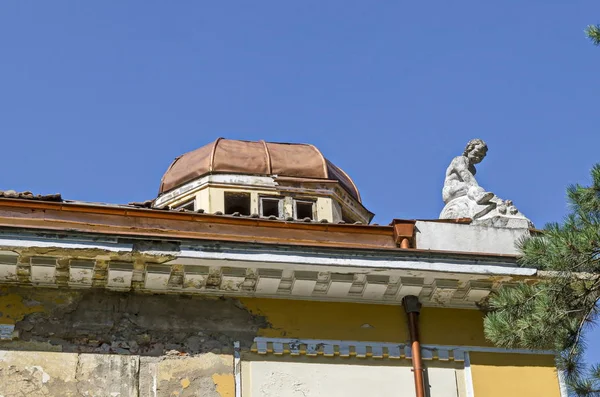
x,y
255,158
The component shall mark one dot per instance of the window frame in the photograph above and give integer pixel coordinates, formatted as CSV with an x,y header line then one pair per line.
x,y
310,201
240,194
186,204
280,205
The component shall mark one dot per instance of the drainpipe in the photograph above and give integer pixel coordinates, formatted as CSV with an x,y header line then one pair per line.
x,y
404,233
412,307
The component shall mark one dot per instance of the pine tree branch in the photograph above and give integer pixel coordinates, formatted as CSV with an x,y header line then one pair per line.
x,y
580,331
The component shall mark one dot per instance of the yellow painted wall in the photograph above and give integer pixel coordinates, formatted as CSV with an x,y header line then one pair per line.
x,y
354,321
329,320
502,375
494,374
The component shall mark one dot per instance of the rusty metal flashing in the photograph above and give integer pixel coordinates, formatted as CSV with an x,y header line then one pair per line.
x,y
404,233
123,220
135,221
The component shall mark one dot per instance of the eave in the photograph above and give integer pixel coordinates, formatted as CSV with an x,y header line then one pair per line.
x,y
75,245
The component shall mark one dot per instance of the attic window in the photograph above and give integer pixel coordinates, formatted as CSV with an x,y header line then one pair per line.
x,y
270,206
347,218
304,209
237,202
189,205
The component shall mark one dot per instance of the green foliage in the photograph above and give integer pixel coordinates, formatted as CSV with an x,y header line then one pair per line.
x,y
593,32
554,313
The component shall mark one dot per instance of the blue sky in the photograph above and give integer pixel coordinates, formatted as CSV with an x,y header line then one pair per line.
x,y
97,98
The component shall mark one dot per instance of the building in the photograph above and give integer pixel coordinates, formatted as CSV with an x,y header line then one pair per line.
x,y
255,272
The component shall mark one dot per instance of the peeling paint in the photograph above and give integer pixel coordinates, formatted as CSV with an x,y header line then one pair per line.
x,y
14,309
99,321
225,384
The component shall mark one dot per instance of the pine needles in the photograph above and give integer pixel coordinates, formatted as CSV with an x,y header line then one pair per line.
x,y
555,313
593,32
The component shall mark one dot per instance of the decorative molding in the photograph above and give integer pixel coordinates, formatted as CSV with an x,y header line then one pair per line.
x,y
237,369
362,349
222,279
239,271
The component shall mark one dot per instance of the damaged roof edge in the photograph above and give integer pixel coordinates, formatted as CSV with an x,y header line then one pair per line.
x,y
252,251
135,222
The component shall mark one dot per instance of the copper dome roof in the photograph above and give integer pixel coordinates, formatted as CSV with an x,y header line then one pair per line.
x,y
255,158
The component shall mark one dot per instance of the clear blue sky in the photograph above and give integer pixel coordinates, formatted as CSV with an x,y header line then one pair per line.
x,y
97,98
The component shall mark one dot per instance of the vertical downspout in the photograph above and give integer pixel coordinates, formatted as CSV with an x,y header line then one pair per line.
x,y
412,307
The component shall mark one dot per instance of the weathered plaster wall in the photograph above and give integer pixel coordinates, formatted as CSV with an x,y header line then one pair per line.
x,y
34,374
339,377
165,345
493,374
101,343
501,375
96,321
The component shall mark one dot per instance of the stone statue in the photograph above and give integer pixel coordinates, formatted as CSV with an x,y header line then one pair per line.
x,y
464,198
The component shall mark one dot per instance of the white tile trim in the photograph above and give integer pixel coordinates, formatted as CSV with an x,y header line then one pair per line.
x,y
29,242
562,384
468,376
453,266
237,369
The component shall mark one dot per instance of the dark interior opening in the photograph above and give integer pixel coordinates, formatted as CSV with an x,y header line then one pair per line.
x,y
187,206
270,207
304,209
237,202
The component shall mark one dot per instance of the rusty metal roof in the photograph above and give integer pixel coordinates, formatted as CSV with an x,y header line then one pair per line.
x,y
255,158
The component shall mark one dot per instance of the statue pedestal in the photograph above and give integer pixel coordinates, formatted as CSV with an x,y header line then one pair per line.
x,y
487,214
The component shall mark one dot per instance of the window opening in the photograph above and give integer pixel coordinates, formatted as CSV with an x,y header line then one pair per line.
x,y
189,205
304,209
237,202
270,207
346,217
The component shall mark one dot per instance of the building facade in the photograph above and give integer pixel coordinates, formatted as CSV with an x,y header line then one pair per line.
x,y
255,272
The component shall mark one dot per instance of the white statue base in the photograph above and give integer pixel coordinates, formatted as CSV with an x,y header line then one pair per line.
x,y
495,213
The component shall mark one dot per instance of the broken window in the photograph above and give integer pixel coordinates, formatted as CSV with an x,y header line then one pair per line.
x,y
237,202
270,206
304,209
